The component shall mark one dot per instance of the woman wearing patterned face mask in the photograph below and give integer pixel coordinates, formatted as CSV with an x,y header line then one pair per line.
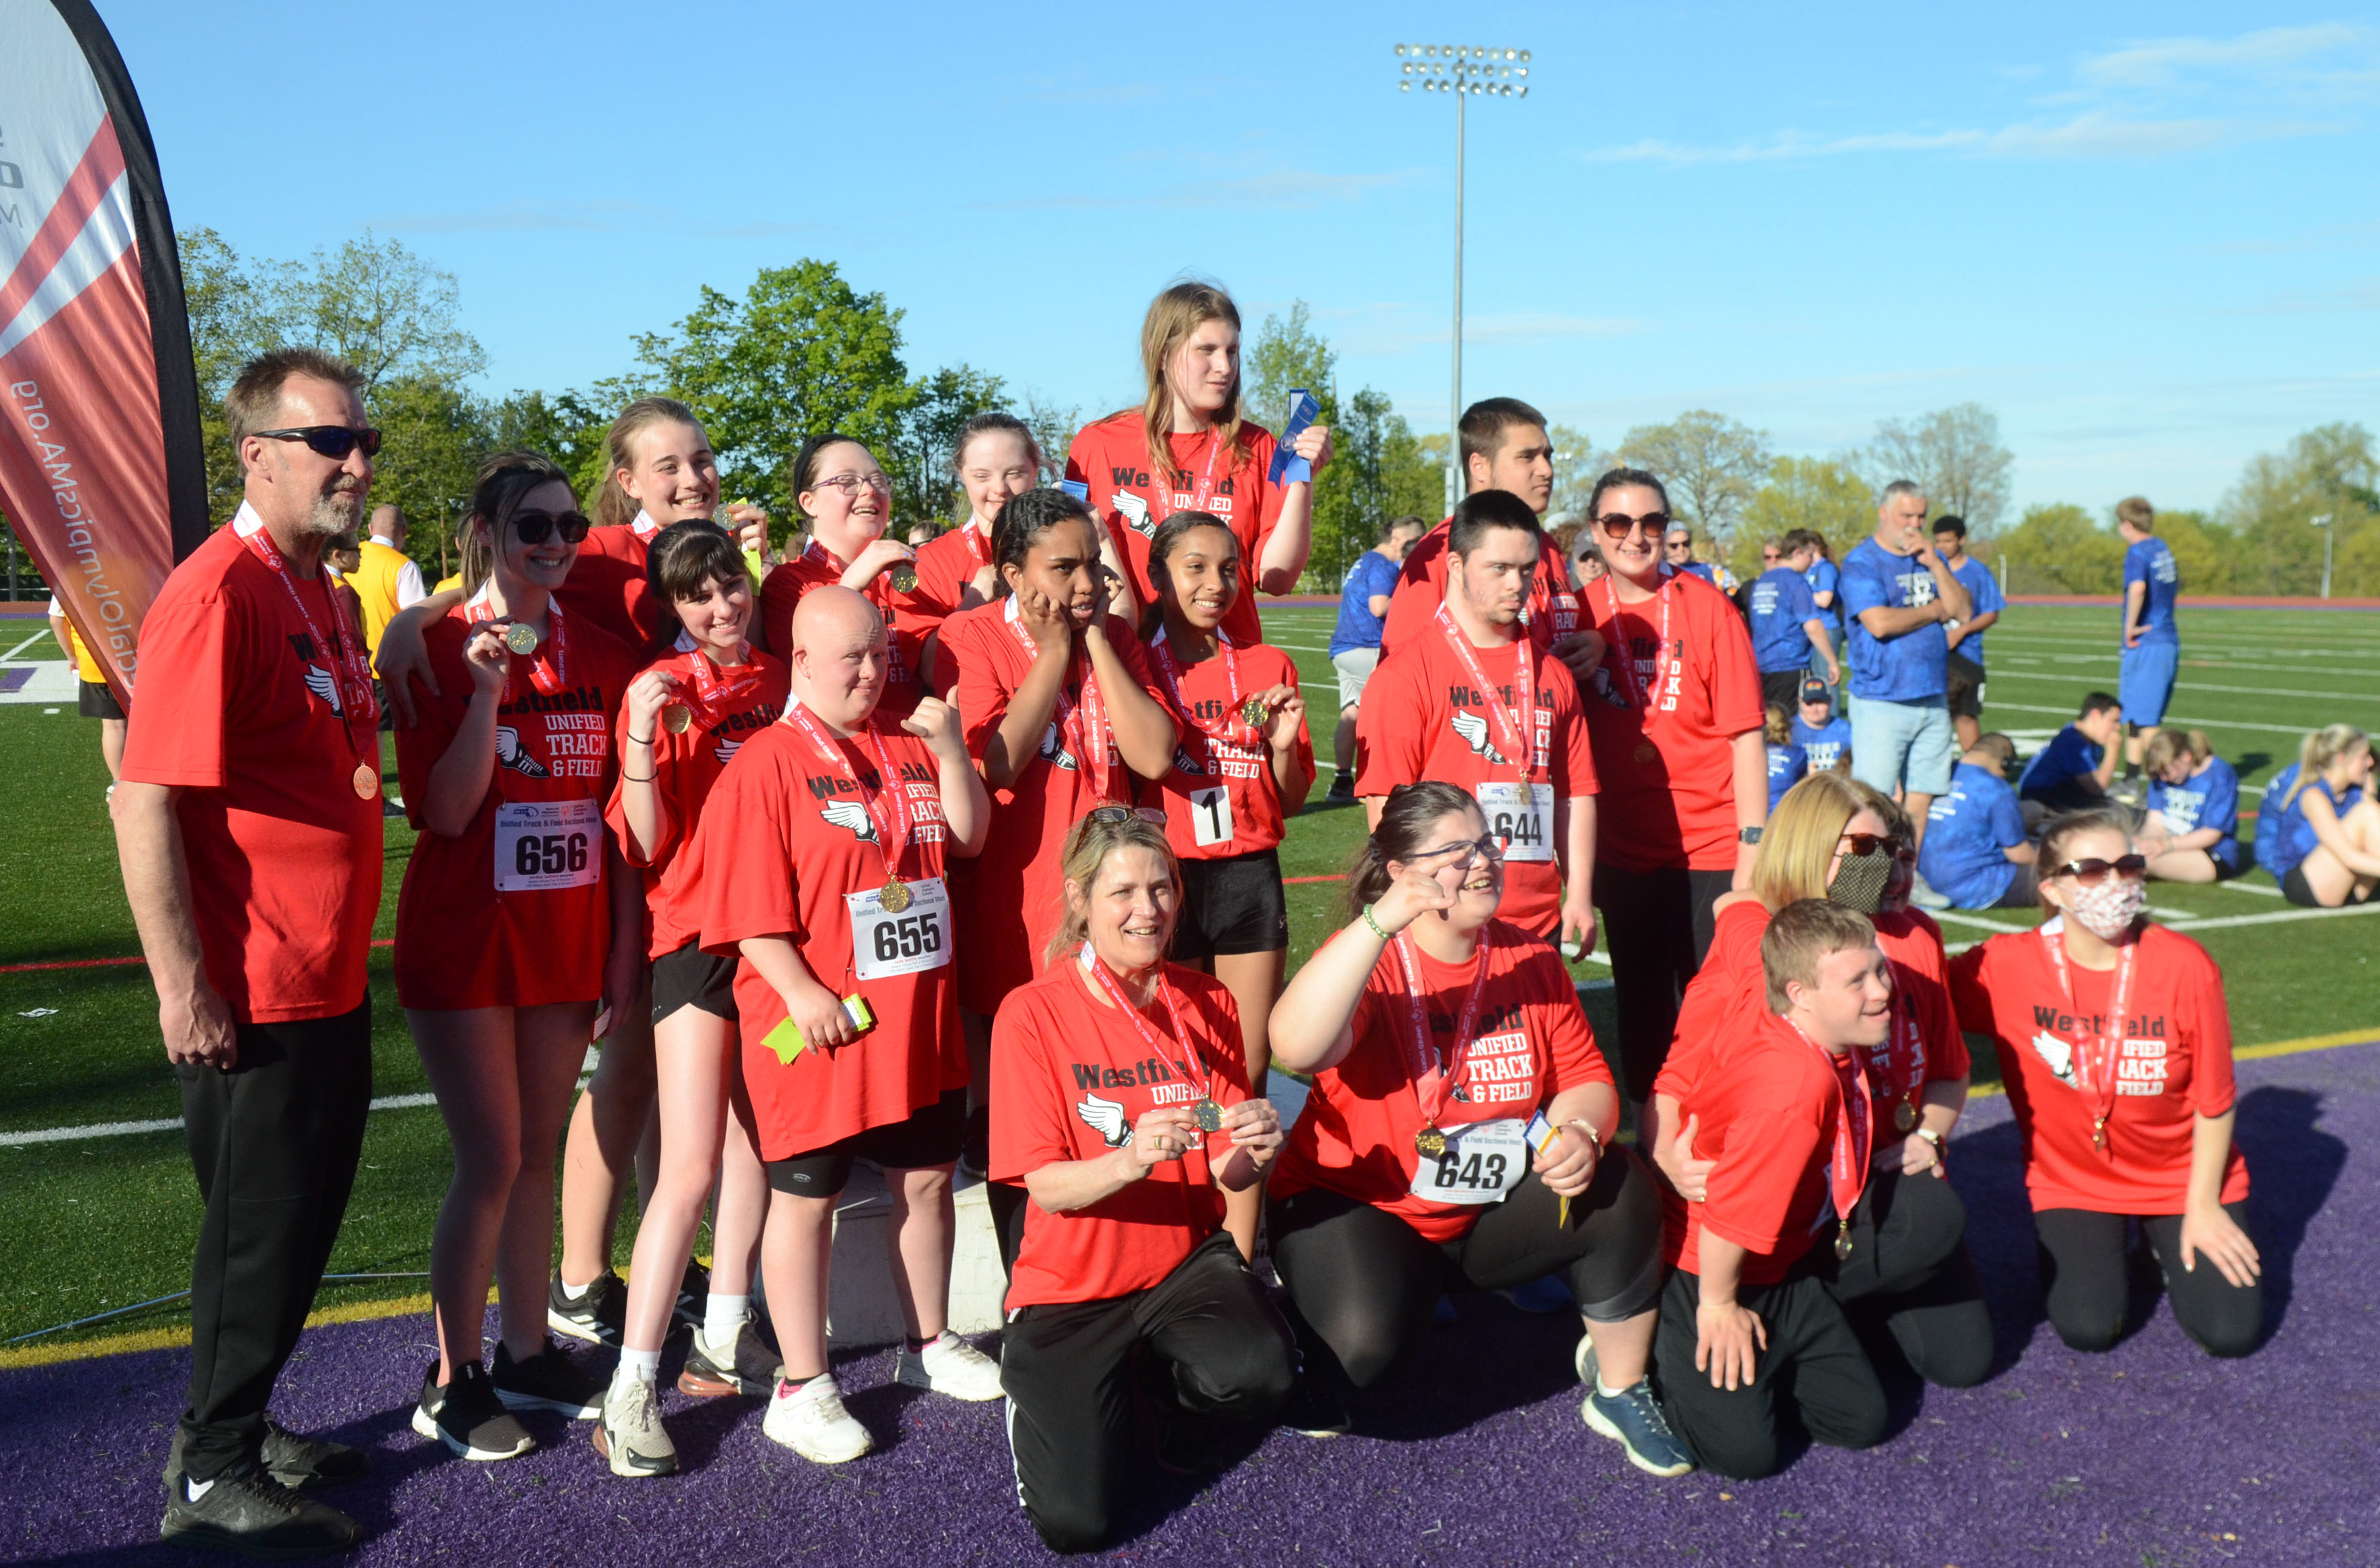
x,y
2125,1097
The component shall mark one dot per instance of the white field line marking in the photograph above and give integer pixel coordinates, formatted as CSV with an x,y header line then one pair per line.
x,y
2169,719
1955,918
2201,686
173,1123
24,645
2259,889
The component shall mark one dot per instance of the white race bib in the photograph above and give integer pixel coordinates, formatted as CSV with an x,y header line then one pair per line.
x,y
1210,816
1524,815
543,845
1483,1162
884,944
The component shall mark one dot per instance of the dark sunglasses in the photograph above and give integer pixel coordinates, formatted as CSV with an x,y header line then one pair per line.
x,y
1619,524
1868,844
532,526
329,441
2091,872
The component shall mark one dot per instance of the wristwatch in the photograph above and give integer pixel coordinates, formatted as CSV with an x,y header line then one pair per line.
x,y
1747,836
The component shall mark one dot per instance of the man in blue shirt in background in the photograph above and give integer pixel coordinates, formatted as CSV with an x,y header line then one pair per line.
x,y
1976,855
2073,771
1897,596
1355,641
1966,637
1823,582
1818,730
1789,637
2152,641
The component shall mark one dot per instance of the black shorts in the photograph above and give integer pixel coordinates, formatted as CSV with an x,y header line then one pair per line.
x,y
2299,892
691,977
1966,687
97,701
1782,689
1234,906
930,1137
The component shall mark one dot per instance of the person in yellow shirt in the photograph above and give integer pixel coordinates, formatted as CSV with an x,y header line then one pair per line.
x,y
385,578
97,701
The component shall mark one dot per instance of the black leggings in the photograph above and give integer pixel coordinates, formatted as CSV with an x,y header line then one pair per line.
x,y
2082,1273
1366,1284
1813,1372
1067,1370
1657,926
1910,1270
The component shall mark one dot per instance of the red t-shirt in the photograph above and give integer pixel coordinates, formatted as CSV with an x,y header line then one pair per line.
x,y
1551,612
1220,798
514,912
1112,457
1070,1079
1676,806
607,586
1014,885
1531,1041
1766,1113
685,768
791,837
814,568
2176,1067
946,564
285,859
1423,718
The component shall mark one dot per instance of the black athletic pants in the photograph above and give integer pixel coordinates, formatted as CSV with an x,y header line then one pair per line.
x,y
2082,1272
1365,1284
1657,927
1910,1269
274,1143
1068,1372
1814,1370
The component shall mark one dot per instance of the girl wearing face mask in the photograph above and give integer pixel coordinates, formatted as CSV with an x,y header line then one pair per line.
x,y
996,460
518,925
846,502
2124,1095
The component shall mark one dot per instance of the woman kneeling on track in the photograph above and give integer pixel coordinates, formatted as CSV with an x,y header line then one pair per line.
x,y
823,853
2117,1046
2326,831
686,714
1121,1103
1458,1134
517,919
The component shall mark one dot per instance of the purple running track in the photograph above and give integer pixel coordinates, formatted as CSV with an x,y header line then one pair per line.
x,y
2152,1454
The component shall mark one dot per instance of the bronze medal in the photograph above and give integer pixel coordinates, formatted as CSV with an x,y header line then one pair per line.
x,y
521,637
1430,1142
1647,753
1843,1239
367,781
1208,1115
677,718
895,896
1254,713
1904,1115
904,579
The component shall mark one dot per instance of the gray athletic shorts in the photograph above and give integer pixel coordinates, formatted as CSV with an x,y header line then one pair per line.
x,y
1355,667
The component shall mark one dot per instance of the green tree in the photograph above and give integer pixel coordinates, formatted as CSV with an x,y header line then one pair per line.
x,y
1285,355
1055,428
2328,470
2057,549
1381,470
376,305
925,440
432,435
1710,464
1817,494
1577,465
1955,454
2205,552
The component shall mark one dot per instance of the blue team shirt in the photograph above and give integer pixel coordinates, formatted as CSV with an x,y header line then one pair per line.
x,y
1908,668
1780,604
1358,628
2208,799
1965,832
1984,589
2150,562
2291,837
1788,765
1825,744
1704,570
1822,579
2070,755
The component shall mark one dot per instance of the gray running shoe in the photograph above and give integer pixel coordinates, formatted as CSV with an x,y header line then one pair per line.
x,y
631,1435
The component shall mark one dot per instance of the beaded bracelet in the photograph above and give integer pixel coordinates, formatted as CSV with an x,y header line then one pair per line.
x,y
1375,924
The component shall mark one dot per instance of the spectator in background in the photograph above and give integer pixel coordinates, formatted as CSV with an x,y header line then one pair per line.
x,y
385,578
1899,594
1787,764
2324,828
2192,830
341,556
2152,641
924,534
1817,731
95,698
1976,855
2073,773
1788,634
1966,637
1355,641
1586,562
1772,554
1677,553
1824,581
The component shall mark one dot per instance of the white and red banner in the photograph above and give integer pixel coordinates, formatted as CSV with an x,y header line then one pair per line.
x,y
102,471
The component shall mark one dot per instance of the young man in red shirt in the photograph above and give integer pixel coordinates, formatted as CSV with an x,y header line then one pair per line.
x,y
1787,1119
249,825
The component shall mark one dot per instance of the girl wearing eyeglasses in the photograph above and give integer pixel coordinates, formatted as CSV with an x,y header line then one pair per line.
x,y
2116,1043
518,925
847,499
1459,1132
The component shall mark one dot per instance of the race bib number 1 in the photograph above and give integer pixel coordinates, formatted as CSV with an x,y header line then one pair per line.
x,y
1482,1163
1524,815
884,944
1210,816
544,844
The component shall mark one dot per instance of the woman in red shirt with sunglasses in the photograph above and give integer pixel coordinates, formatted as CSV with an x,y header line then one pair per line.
x,y
2116,1044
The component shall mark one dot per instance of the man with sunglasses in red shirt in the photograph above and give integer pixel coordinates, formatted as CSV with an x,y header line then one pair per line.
x,y
249,825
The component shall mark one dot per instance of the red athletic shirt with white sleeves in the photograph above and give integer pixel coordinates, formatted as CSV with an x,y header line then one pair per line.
x,y
786,838
285,858
1551,612
1423,718
1112,457
815,567
2176,1067
1675,804
1531,1042
1221,799
685,768
1070,1080
607,586
1015,889
946,565
513,912
1767,1114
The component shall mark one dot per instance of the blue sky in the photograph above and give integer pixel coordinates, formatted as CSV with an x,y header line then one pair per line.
x,y
2145,236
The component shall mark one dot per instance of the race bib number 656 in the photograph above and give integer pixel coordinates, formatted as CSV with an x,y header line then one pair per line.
x,y
543,844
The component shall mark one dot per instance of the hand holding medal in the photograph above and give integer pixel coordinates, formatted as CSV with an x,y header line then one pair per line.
x,y
488,657
1168,1132
653,700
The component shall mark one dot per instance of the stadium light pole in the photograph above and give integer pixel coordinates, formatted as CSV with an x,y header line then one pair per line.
x,y
1466,70
2328,534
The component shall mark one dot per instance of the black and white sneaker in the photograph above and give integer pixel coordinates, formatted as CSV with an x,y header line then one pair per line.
x,y
746,1365
598,1314
693,1297
304,1463
548,1381
468,1417
252,1514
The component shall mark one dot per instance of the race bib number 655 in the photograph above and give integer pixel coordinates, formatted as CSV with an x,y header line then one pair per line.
x,y
885,942
543,844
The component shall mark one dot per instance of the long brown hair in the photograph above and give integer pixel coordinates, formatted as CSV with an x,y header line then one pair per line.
x,y
614,506
1172,317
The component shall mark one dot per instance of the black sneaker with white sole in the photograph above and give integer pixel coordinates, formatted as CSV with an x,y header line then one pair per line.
x,y
548,1381
250,1512
468,1417
713,1371
598,1314
305,1463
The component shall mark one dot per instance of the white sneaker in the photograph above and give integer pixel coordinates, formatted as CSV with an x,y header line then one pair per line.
x,y
630,1434
949,1364
810,1420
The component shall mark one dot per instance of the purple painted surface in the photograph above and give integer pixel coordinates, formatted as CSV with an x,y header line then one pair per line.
x,y
2152,1454
11,679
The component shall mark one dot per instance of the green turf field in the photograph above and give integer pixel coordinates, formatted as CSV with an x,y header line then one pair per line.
x,y
98,1222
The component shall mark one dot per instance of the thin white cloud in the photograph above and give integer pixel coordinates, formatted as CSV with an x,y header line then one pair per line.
x,y
2092,134
2164,62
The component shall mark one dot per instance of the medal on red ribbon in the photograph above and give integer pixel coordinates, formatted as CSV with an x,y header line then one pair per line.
x,y
1179,1050
1083,722
888,805
1251,712
716,690
1434,1083
549,671
1854,1126
2097,1051
1643,696
349,674
1516,730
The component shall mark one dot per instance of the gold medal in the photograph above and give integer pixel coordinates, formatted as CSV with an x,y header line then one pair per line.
x,y
904,579
1904,1115
521,637
896,896
1253,712
677,718
1208,1115
1647,753
367,781
1430,1142
1843,1239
